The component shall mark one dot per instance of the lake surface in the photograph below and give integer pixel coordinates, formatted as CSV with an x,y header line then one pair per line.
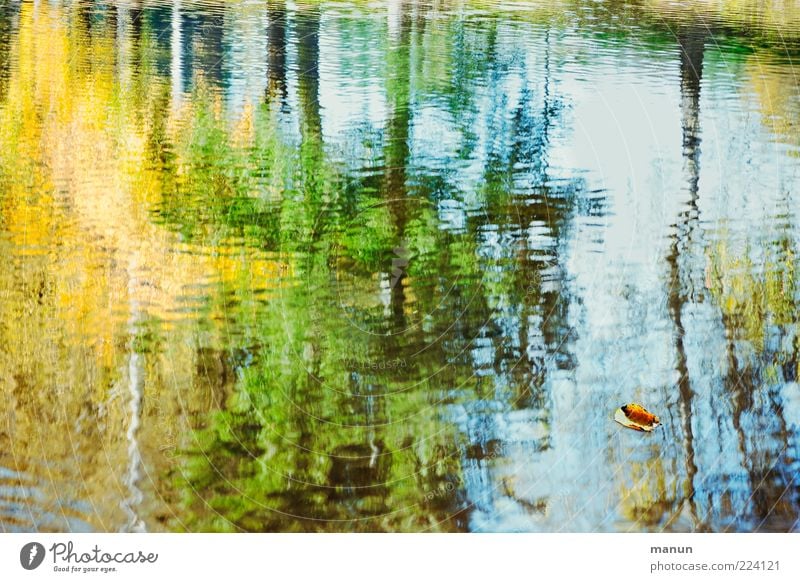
x,y
370,266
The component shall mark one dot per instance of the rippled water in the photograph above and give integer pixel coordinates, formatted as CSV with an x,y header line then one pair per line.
x,y
350,266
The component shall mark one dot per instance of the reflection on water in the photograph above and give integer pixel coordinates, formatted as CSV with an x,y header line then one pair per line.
x,y
335,266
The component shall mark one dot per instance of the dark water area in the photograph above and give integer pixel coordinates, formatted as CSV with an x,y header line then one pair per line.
x,y
392,266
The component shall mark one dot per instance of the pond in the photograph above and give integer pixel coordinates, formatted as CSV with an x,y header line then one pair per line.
x,y
393,266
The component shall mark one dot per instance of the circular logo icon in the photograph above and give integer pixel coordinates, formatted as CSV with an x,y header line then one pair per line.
x,y
31,555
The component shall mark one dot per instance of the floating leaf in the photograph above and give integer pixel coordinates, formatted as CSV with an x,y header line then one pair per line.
x,y
636,417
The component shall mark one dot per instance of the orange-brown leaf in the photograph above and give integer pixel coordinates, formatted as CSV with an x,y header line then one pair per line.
x,y
636,417
639,415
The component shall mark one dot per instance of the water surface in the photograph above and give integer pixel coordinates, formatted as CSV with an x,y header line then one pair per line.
x,y
391,266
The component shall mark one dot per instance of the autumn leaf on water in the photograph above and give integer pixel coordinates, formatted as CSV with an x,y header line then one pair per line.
x,y
636,417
